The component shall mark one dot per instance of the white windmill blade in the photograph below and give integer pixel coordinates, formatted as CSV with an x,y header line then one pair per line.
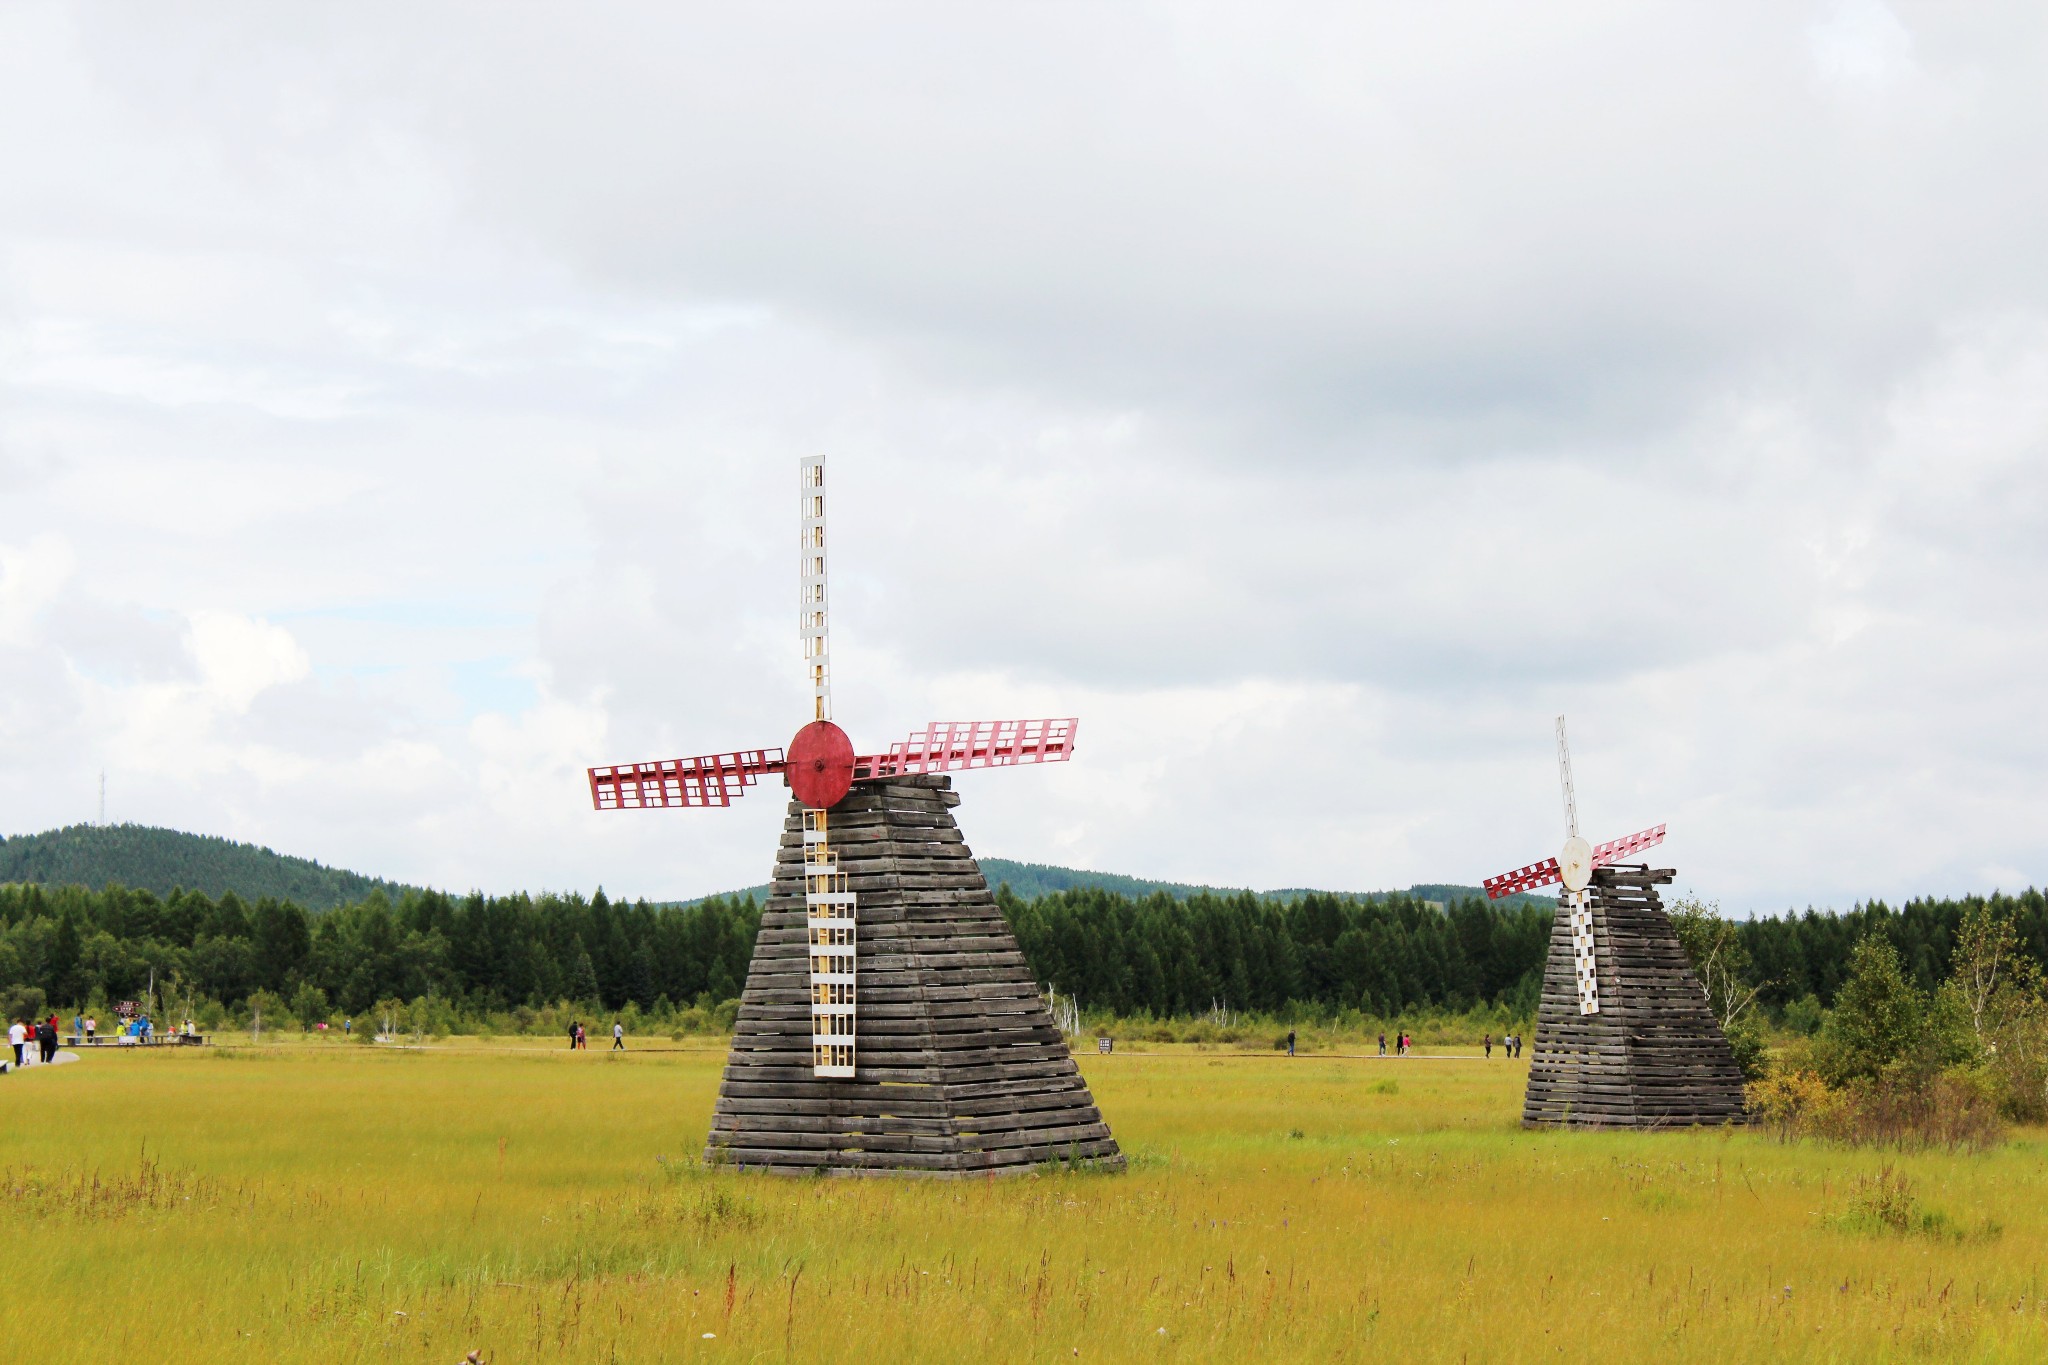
x,y
1564,773
812,601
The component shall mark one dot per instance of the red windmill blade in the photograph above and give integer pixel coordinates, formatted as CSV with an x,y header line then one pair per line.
x,y
1573,866
713,780
820,767
953,745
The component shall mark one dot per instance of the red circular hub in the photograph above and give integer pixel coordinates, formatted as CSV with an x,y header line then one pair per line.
x,y
820,764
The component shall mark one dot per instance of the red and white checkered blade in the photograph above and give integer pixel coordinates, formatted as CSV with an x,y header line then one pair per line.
x,y
1522,879
951,745
708,780
1614,850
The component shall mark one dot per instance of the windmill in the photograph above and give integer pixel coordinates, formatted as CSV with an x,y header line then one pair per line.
x,y
1624,1033
886,989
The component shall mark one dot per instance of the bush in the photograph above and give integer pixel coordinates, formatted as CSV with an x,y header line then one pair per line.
x,y
1796,1103
24,1002
1751,1045
1955,1109
1805,1016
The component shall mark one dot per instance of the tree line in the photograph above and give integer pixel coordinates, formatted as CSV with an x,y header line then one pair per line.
x,y
1166,956
1157,954
1792,958
483,953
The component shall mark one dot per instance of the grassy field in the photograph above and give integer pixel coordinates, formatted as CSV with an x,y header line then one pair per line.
x,y
335,1203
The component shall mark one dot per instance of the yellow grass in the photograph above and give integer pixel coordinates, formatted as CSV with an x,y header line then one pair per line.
x,y
335,1203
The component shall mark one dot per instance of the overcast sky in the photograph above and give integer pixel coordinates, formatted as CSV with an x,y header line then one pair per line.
x,y
400,408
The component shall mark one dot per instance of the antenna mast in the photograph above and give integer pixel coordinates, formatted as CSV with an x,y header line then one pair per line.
x,y
811,581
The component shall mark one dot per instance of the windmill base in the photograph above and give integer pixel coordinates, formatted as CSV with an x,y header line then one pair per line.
x,y
1653,1056
958,1067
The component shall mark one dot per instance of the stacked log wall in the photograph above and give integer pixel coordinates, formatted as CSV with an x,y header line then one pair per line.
x,y
1654,1056
959,1068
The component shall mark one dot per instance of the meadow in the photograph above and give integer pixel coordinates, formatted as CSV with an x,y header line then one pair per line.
x,y
336,1203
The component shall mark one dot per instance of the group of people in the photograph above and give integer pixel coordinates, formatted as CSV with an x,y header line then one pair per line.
x,y
33,1040
578,1039
1404,1043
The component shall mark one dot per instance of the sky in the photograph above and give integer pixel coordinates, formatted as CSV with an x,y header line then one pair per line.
x,y
400,408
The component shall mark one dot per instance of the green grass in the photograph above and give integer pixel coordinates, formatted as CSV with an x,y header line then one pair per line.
x,y
336,1203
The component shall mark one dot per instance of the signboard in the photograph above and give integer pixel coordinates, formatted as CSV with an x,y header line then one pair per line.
x,y
127,1009
1104,1044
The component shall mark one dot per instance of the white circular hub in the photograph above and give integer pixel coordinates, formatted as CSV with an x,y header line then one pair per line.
x,y
1575,864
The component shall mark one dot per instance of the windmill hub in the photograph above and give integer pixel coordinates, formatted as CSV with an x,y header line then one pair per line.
x,y
1575,863
820,765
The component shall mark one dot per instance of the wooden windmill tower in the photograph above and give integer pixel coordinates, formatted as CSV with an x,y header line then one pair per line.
x,y
1625,1037
889,1020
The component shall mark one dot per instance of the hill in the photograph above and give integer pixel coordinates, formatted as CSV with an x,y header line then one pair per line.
x,y
162,860
1032,880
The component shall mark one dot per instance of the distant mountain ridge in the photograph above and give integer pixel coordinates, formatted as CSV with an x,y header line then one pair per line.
x,y
163,860
1032,880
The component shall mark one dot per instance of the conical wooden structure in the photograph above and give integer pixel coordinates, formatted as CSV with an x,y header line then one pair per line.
x,y
1653,1056
961,1070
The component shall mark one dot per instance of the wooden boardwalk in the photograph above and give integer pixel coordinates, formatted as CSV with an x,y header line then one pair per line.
x,y
960,1069
1654,1056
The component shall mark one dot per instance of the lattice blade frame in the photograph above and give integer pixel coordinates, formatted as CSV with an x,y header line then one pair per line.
x,y
1522,879
1614,850
830,916
707,780
954,745
1585,959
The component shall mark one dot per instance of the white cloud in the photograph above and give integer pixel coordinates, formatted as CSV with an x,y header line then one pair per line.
x,y
1861,43
239,658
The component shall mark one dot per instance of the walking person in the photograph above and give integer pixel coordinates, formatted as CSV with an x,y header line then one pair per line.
x,y
1290,1042
47,1036
574,1029
17,1038
1487,1043
618,1036
1383,1042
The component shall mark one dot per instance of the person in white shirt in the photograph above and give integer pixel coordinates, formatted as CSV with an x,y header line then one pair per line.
x,y
618,1036
17,1034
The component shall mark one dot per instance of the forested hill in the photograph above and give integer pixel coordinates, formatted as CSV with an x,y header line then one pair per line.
x,y
165,860
1032,880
